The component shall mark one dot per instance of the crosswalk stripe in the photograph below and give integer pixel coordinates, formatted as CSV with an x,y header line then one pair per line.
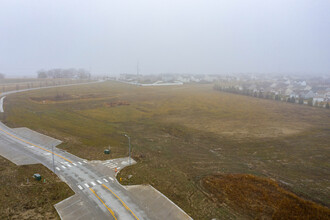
x,y
93,183
80,163
63,167
86,185
111,179
58,168
80,187
69,165
105,180
74,164
99,181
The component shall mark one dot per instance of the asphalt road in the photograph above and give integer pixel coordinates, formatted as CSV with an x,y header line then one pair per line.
x,y
1,103
103,197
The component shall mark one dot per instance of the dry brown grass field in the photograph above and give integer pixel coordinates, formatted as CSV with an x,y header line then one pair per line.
x,y
181,134
22,199
261,198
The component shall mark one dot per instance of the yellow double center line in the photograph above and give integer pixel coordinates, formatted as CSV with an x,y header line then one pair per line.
x,y
110,210
121,201
34,145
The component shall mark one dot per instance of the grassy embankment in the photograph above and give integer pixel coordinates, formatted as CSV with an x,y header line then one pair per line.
x,y
181,134
29,199
13,84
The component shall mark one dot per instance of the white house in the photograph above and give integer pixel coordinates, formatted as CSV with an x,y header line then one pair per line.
x,y
310,94
318,98
288,91
308,88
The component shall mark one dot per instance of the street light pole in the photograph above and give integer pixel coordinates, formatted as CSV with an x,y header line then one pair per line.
x,y
129,148
53,157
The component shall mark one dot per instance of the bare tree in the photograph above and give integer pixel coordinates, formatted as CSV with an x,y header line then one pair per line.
x,y
42,74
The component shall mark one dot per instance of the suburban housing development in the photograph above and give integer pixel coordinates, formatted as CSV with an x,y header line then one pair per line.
x,y
308,90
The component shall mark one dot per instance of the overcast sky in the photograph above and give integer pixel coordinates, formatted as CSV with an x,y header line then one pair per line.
x,y
178,36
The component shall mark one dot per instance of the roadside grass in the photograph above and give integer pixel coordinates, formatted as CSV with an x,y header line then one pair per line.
x,y
32,199
11,84
181,134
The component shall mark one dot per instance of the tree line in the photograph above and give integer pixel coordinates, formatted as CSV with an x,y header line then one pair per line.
x,y
70,73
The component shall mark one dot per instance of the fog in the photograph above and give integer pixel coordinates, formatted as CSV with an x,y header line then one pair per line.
x,y
165,36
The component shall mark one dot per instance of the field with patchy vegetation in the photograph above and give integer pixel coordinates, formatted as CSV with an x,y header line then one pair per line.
x,y
182,134
22,197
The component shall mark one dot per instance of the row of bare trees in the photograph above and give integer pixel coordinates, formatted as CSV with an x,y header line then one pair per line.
x,y
70,73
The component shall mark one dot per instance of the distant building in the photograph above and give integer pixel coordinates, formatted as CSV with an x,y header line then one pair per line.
x,y
318,98
288,92
307,88
310,95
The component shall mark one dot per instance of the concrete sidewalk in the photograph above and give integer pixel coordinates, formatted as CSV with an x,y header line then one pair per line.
x,y
157,205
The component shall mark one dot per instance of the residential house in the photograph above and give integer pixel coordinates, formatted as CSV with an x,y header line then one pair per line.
x,y
310,95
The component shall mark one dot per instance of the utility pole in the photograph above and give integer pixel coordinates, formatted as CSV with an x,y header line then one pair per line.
x,y
129,149
53,158
137,68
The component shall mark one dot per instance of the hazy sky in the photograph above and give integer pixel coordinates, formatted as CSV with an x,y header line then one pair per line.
x,y
182,36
